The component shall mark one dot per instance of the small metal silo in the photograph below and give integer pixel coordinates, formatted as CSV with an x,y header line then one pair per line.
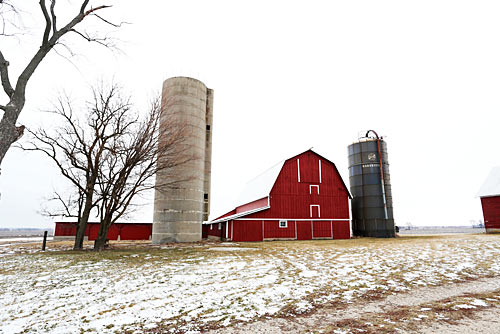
x,y
372,214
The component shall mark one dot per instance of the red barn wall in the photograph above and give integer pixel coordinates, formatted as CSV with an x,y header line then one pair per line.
x,y
273,231
126,231
65,229
213,230
491,212
247,230
341,229
136,232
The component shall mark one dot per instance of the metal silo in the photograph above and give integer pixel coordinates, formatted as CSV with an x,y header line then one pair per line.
x,y
372,214
180,210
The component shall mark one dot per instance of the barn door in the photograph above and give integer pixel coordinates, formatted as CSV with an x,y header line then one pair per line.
x,y
223,231
304,230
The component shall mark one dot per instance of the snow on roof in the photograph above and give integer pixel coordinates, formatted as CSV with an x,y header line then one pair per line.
x,y
260,186
491,187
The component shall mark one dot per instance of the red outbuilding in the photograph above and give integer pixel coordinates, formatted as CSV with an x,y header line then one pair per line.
x,y
117,231
490,201
301,198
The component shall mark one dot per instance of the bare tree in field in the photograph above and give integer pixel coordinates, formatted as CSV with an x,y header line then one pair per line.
x,y
79,149
111,158
52,36
133,161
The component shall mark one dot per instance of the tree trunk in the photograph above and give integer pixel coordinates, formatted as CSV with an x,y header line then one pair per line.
x,y
100,242
80,230
8,131
83,220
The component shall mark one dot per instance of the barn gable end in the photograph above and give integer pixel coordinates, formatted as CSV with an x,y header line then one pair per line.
x,y
490,201
307,199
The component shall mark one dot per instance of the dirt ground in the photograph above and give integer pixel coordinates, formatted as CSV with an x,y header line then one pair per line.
x,y
364,316
484,322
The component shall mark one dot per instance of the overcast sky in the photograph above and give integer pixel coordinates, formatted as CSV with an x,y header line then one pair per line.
x,y
287,76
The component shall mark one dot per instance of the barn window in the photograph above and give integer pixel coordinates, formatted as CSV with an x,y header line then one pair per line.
x,y
205,197
314,189
211,226
220,224
314,211
283,224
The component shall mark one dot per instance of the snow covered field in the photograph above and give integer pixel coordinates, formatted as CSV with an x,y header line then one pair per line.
x,y
185,289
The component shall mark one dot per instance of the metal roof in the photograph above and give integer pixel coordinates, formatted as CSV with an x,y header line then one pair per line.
x,y
236,215
260,186
491,186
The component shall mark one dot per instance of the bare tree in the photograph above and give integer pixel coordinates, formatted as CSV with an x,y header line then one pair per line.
x,y
79,150
52,35
112,158
132,162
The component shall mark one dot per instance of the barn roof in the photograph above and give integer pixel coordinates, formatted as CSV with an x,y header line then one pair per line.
x,y
261,186
491,186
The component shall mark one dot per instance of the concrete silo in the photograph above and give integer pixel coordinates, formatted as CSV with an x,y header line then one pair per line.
x,y
370,185
180,210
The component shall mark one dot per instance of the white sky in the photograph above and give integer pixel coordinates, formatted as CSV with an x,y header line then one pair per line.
x,y
289,76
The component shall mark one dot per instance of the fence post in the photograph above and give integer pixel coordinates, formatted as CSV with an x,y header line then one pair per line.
x,y
44,240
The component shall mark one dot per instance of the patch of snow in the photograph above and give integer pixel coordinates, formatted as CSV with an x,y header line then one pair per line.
x,y
479,302
464,306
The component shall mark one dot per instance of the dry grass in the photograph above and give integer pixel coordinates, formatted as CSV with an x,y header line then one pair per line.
x,y
247,281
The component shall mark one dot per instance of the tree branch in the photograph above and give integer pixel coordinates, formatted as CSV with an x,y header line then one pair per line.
x,y
98,40
4,75
84,5
109,22
48,23
49,43
53,14
91,10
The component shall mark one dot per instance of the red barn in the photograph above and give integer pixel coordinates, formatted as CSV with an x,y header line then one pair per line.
x,y
490,201
117,231
301,198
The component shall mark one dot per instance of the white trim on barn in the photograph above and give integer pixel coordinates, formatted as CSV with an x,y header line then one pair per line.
x,y
311,210
298,169
319,161
237,215
313,185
